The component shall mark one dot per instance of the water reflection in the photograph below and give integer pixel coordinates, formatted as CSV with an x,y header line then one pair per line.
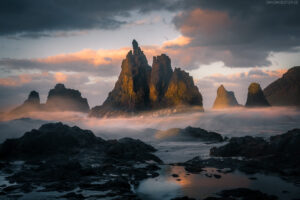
x,y
175,181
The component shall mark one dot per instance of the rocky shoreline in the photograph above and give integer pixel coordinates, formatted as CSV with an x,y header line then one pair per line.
x,y
72,163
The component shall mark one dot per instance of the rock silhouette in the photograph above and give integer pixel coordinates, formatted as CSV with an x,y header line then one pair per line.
x,y
224,99
32,103
59,99
285,91
64,99
141,87
256,97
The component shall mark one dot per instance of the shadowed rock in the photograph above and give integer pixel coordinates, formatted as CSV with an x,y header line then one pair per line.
x,y
285,91
55,139
160,77
64,99
279,154
224,99
189,133
256,97
58,158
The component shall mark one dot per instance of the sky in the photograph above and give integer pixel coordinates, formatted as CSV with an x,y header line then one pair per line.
x,y
81,43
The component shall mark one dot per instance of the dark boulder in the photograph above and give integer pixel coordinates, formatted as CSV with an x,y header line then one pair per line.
x,y
189,133
242,146
49,139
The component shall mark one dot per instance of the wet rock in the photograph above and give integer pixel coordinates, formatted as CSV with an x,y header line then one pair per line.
x,y
224,99
256,97
242,146
189,133
280,154
49,139
217,176
183,198
73,195
245,194
62,158
285,91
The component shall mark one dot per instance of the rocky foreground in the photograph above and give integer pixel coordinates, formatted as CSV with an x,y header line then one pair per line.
x,y
72,163
70,160
280,155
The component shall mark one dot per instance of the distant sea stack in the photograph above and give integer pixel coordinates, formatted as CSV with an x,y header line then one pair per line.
x,y
256,97
31,104
64,99
59,99
285,91
224,99
144,88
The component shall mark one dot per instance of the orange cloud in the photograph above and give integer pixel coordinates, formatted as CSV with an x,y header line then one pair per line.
x,y
21,79
179,41
203,21
60,77
94,57
8,82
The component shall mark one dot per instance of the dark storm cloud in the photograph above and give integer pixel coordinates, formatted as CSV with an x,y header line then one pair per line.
x,y
249,30
35,16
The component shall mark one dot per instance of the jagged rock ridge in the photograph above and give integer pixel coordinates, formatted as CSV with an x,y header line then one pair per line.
x,y
64,99
141,87
224,99
256,97
285,91
59,99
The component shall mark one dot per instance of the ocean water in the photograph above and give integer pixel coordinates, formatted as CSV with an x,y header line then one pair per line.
x,y
262,122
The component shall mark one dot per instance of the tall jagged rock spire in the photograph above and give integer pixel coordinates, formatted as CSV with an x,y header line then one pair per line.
x,y
140,87
136,49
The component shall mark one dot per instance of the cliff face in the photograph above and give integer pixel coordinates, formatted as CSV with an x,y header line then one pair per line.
x,y
285,91
141,87
64,99
182,91
224,99
256,97
160,77
131,91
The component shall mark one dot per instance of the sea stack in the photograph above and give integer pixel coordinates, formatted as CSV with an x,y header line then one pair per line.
x,y
182,90
31,104
224,99
64,99
256,97
285,91
144,88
